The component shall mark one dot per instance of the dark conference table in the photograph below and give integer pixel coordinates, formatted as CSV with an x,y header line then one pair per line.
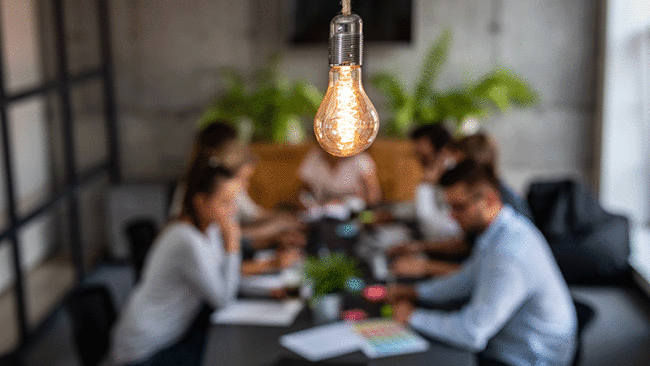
x,y
242,345
259,346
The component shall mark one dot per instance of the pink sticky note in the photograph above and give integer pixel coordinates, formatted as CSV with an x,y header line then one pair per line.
x,y
374,292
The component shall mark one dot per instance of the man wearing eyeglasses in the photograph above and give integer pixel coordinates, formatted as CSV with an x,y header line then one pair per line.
x,y
519,309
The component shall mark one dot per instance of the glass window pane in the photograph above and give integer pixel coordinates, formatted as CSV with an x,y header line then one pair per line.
x,y
91,147
82,35
21,46
47,264
54,127
9,327
92,218
30,153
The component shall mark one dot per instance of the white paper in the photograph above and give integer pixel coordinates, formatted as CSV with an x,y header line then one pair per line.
x,y
259,312
323,342
337,339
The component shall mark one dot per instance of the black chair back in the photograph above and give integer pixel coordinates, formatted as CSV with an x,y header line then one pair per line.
x,y
586,315
141,234
92,314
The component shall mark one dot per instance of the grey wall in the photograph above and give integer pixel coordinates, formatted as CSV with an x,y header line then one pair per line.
x,y
167,52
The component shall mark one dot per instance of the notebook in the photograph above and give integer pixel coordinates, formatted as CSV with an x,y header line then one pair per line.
x,y
374,337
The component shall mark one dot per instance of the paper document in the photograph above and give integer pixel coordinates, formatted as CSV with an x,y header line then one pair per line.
x,y
374,337
259,312
323,342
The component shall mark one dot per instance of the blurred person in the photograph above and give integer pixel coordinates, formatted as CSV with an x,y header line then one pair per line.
x,y
329,178
432,213
519,309
195,260
481,148
442,235
261,228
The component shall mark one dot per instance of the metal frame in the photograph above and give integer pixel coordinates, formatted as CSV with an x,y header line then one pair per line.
x,y
74,180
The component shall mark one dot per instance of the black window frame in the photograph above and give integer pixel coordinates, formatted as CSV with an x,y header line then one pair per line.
x,y
74,180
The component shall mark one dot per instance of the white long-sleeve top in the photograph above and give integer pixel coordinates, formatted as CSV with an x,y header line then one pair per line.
x,y
184,268
432,214
520,310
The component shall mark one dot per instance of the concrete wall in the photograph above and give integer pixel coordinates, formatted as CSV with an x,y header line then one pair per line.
x,y
625,167
166,56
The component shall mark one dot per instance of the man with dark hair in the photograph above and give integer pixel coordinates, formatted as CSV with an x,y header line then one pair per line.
x,y
482,149
520,310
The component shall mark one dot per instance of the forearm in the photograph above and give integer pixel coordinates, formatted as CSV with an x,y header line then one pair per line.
x,y
455,245
441,268
262,235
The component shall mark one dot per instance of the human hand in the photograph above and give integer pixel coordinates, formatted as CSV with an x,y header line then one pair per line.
x,y
226,217
288,257
399,292
402,311
292,239
411,266
405,248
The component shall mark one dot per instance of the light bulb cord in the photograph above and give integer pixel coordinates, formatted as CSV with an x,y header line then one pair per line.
x,y
346,7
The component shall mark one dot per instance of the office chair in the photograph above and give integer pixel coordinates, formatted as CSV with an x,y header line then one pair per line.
x,y
92,315
141,234
585,314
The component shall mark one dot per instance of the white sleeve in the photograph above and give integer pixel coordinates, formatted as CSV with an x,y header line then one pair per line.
x,y
500,291
433,218
217,279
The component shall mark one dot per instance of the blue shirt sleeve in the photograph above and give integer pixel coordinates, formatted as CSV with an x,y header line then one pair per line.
x,y
499,292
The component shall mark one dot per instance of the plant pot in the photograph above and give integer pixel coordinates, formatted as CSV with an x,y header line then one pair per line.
x,y
326,308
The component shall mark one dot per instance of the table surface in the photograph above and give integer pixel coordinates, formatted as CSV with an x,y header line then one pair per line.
x,y
244,345
259,346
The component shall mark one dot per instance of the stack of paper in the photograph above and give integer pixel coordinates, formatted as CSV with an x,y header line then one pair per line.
x,y
323,342
376,338
259,312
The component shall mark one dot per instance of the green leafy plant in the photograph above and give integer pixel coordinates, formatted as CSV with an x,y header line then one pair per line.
x,y
330,274
499,90
272,103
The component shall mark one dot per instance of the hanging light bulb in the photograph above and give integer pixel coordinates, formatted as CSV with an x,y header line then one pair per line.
x,y
346,122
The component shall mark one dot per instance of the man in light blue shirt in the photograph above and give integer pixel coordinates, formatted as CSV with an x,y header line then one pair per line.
x,y
520,311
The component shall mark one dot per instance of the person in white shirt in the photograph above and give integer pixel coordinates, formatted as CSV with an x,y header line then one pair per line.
x,y
196,259
330,178
519,310
261,228
441,233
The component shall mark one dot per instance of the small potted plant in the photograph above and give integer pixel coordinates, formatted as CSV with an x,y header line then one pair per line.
x,y
329,276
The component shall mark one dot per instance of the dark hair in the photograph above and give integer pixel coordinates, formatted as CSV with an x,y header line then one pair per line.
x,y
210,141
435,133
215,135
207,171
478,147
471,173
